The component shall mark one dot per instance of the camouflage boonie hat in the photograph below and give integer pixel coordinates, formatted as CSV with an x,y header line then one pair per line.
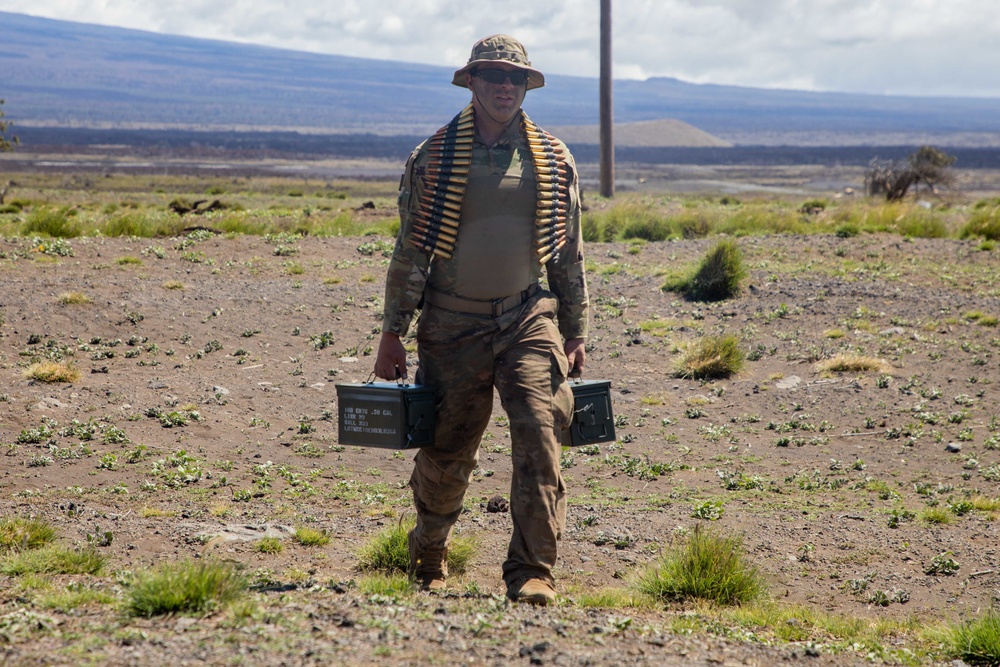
x,y
500,48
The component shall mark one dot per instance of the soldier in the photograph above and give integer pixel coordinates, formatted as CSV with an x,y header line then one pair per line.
x,y
488,205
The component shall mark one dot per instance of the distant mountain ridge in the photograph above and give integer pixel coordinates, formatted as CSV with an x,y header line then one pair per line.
x,y
59,73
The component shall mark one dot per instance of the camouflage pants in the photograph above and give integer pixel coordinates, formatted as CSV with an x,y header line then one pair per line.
x,y
464,357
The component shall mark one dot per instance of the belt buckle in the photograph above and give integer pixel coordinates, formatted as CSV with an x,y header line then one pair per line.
x,y
497,306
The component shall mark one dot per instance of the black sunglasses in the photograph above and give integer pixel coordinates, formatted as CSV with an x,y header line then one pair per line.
x,y
498,76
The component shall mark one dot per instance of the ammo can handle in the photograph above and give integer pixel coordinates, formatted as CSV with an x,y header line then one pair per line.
x,y
400,382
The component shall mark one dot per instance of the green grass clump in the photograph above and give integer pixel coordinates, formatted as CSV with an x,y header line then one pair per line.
x,y
711,357
936,516
977,642
813,206
922,224
627,220
387,585
73,597
612,598
185,587
310,537
144,225
57,223
847,230
53,559
720,274
984,221
24,534
707,567
389,552
269,545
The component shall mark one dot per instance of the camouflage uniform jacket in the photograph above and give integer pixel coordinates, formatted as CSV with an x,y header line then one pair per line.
x,y
413,269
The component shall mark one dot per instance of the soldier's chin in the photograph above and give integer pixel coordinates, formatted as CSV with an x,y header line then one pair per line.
x,y
505,114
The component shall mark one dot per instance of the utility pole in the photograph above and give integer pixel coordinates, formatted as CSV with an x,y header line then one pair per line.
x,y
607,106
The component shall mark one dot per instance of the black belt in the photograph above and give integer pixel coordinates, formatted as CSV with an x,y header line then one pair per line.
x,y
493,307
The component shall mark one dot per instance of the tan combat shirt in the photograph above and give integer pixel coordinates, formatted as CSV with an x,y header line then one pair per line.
x,y
495,252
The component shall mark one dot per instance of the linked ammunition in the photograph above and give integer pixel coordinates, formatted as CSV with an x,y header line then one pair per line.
x,y
436,240
441,197
440,217
455,173
434,229
543,232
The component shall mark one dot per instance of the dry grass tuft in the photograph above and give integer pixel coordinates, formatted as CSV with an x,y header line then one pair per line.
x,y
853,363
51,371
711,357
73,298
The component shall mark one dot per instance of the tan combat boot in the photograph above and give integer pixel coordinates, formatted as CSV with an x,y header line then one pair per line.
x,y
532,591
428,567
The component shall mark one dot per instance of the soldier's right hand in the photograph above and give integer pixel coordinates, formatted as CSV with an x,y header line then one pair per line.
x,y
390,364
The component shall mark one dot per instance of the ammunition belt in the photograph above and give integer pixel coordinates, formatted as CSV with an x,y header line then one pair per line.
x,y
494,307
436,222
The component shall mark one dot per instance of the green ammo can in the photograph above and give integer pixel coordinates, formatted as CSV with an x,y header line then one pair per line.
x,y
593,420
385,414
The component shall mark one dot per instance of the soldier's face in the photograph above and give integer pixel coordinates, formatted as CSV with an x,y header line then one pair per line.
x,y
501,100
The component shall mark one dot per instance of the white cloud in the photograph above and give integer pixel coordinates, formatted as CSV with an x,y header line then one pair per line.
x,y
922,47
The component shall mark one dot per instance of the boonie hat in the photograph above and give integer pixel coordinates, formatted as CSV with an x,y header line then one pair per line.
x,y
500,48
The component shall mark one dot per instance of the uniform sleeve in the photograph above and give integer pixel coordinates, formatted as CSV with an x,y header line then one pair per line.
x,y
566,273
410,265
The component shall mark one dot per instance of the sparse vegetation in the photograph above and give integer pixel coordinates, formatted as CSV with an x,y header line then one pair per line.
x,y
208,401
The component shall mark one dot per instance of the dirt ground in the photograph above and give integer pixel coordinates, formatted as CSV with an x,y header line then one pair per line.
x,y
205,417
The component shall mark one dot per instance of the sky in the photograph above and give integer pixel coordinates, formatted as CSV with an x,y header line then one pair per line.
x,y
891,47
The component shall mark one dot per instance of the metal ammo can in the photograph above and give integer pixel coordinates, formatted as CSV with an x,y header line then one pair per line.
x,y
593,420
385,414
